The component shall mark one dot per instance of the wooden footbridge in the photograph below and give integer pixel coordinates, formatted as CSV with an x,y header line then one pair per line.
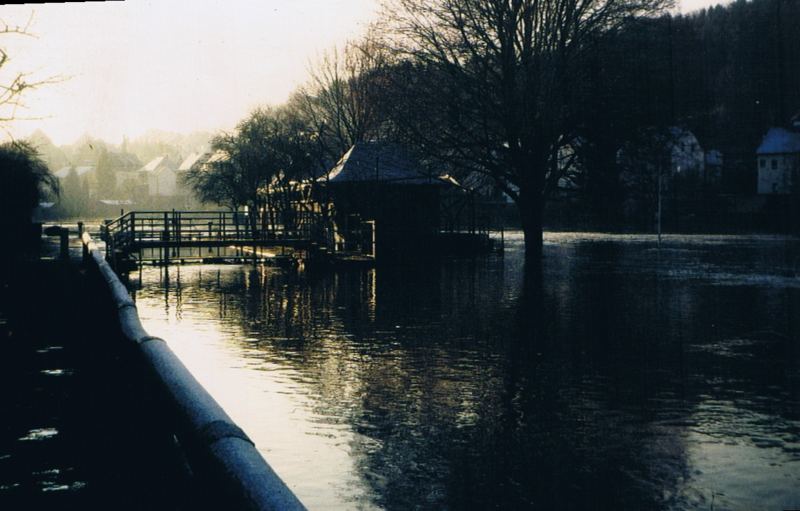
x,y
162,237
303,237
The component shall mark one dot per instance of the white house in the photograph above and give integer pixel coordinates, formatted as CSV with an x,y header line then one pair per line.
x,y
161,176
778,159
686,155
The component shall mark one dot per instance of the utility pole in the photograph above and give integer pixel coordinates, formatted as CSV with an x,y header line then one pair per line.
x,y
658,211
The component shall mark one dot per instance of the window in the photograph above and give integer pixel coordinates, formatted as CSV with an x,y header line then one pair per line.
x,y
774,164
762,163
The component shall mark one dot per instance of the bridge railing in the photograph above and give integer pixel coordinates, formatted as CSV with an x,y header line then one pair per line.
x,y
218,451
176,227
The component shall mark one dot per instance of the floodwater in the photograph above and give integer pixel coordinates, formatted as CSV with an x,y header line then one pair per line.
x,y
632,378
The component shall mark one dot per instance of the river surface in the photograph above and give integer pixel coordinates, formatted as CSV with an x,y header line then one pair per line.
x,y
633,377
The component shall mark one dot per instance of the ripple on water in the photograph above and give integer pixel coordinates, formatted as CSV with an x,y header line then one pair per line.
x,y
39,434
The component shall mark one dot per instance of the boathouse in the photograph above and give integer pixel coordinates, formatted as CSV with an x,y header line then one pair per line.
x,y
384,183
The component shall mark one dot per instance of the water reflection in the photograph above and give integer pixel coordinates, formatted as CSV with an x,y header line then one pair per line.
x,y
631,378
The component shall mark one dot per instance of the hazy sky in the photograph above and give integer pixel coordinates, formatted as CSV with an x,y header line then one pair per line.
x,y
172,65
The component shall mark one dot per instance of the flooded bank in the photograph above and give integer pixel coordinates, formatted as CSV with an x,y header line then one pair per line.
x,y
635,377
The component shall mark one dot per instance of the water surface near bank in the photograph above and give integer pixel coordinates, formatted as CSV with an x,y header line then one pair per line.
x,y
634,377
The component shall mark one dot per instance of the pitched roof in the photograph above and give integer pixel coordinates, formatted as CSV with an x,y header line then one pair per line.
x,y
217,156
779,141
80,170
189,161
157,163
378,161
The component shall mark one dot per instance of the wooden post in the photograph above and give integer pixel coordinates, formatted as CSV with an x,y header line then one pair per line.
x,y
109,246
658,213
165,257
223,230
175,232
84,246
63,238
133,227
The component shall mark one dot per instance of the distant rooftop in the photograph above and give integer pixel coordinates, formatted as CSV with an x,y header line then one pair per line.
x,y
378,161
189,162
63,172
779,141
217,156
154,164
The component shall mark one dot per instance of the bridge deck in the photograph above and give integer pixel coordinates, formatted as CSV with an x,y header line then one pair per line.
x,y
163,235
213,243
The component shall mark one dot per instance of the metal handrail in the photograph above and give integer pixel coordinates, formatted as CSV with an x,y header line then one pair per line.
x,y
178,226
217,449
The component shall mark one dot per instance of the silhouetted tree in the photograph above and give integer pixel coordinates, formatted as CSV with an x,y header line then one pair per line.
x,y
13,84
497,84
342,102
24,182
258,165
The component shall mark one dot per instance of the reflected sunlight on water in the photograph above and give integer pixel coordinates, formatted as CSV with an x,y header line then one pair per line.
x,y
635,378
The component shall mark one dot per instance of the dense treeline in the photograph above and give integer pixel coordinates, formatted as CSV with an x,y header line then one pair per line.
x,y
530,96
727,73
437,76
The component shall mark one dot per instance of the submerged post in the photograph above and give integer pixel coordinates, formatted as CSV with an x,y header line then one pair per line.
x,y
659,208
84,247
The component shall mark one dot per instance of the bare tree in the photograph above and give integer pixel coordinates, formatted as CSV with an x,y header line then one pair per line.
x,y
493,85
13,84
260,166
342,100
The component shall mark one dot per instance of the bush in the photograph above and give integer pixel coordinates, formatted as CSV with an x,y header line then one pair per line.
x,y
24,181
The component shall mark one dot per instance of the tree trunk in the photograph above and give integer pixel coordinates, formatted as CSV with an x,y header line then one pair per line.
x,y
531,209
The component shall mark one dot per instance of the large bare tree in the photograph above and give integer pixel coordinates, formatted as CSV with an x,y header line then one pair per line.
x,y
341,101
493,86
14,83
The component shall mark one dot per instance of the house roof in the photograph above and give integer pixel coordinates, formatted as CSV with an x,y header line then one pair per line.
x,y
63,172
217,156
779,141
189,161
156,164
378,161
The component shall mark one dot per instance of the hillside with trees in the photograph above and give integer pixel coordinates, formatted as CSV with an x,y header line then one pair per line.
x,y
536,101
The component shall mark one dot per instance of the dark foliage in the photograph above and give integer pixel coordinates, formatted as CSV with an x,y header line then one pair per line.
x,y
727,73
24,181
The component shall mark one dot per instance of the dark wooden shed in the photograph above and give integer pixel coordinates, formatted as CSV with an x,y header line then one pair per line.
x,y
382,182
